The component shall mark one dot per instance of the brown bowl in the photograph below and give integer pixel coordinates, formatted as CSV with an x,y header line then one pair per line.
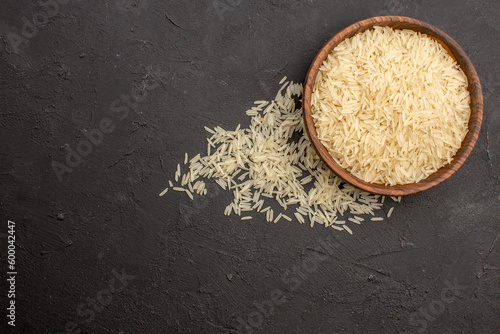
x,y
455,51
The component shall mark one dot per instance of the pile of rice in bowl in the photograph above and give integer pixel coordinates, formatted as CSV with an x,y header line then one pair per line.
x,y
391,106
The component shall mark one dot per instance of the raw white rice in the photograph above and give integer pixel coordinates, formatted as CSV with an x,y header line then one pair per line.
x,y
299,217
391,106
390,212
347,229
272,160
209,130
354,220
163,192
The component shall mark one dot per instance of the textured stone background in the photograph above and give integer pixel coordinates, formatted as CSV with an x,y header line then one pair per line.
x,y
190,268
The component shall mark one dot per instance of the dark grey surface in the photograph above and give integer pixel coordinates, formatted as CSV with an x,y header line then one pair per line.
x,y
192,269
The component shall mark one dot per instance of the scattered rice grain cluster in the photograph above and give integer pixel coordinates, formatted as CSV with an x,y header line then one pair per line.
x,y
273,161
391,106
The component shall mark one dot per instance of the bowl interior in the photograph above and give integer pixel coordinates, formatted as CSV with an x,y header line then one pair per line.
x,y
455,51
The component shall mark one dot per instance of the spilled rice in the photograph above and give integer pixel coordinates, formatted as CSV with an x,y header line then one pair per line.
x,y
273,161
